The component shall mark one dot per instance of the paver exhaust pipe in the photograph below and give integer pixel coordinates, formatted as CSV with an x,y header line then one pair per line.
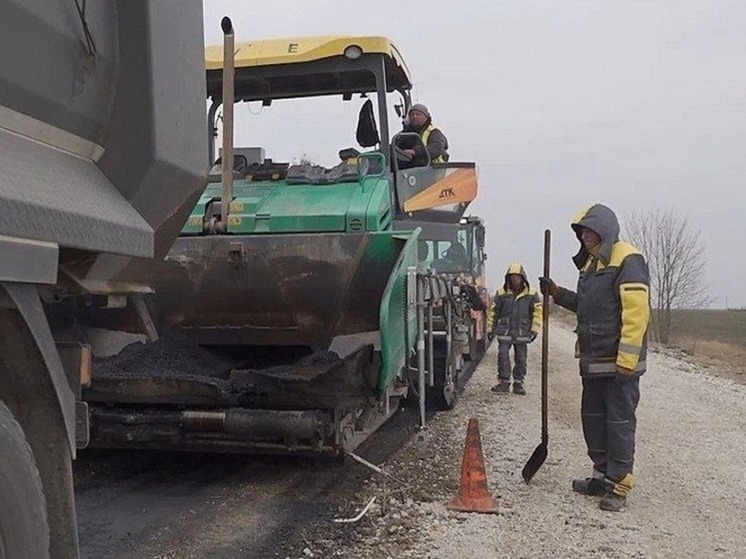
x,y
228,77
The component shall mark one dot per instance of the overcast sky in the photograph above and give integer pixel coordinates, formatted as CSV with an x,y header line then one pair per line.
x,y
635,104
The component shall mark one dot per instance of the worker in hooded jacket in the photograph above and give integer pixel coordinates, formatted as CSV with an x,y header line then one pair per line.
x,y
612,305
516,322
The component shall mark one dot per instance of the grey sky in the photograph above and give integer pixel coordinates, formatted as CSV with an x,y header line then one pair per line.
x,y
635,104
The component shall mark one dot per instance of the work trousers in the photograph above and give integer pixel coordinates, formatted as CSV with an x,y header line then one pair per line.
x,y
608,414
520,354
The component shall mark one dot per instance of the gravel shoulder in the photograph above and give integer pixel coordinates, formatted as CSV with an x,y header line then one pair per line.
x,y
688,501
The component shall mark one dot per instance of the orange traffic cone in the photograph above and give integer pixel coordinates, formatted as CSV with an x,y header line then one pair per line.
x,y
473,494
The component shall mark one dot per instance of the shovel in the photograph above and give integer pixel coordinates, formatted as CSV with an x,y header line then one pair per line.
x,y
540,453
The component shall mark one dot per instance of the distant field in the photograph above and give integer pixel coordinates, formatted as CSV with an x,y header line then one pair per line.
x,y
727,327
713,337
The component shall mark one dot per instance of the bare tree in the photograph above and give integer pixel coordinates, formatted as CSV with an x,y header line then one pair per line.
x,y
676,259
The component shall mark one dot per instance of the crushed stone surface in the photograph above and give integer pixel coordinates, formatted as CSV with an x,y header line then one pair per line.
x,y
688,501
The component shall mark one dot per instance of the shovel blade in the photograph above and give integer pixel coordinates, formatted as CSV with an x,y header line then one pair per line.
x,y
535,462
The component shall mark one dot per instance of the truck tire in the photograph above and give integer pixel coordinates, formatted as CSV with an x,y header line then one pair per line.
x,y
23,513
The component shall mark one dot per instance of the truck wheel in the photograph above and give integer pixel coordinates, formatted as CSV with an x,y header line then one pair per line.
x,y
23,512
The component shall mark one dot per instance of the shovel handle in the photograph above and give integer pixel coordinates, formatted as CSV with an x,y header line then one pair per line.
x,y
545,341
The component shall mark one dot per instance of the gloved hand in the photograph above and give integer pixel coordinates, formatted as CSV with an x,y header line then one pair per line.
x,y
548,287
533,336
490,336
624,370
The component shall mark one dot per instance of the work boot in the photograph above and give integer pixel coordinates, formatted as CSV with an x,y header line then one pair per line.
x,y
501,387
518,388
616,499
593,486
612,502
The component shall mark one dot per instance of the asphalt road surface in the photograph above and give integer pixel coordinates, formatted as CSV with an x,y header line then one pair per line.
x,y
186,505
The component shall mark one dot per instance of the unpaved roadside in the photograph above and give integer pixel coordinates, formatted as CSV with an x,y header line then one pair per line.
x,y
688,502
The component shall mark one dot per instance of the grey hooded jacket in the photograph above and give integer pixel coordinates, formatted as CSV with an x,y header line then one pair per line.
x,y
517,316
612,302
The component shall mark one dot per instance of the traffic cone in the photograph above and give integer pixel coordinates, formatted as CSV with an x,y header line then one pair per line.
x,y
473,493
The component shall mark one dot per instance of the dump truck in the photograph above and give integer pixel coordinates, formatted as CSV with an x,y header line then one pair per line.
x,y
103,158
287,316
